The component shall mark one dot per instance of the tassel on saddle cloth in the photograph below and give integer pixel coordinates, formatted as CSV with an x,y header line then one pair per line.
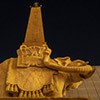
x,y
27,79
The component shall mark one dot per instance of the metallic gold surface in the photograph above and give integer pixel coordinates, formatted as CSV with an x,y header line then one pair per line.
x,y
35,32
34,74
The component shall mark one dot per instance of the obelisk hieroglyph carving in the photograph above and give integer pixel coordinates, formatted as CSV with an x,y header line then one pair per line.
x,y
35,32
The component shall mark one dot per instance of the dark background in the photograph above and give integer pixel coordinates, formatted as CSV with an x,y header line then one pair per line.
x,y
72,27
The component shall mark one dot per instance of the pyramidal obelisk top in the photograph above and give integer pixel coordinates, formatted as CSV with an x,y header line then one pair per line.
x,y
35,32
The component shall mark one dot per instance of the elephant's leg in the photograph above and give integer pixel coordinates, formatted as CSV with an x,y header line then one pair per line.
x,y
58,81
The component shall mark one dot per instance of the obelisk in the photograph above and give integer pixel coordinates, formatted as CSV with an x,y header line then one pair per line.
x,y
35,32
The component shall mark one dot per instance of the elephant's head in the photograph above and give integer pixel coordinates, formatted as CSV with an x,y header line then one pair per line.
x,y
82,68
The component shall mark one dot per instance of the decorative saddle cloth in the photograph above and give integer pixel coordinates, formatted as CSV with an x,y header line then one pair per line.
x,y
27,79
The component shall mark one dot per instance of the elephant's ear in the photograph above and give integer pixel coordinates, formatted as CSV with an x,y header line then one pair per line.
x,y
25,50
78,63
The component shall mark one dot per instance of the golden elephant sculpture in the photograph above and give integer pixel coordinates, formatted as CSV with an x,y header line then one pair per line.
x,y
34,74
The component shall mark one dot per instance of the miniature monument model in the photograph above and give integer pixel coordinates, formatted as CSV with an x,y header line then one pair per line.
x,y
34,74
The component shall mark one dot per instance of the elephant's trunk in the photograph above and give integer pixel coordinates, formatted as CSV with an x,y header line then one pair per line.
x,y
72,68
75,69
78,69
